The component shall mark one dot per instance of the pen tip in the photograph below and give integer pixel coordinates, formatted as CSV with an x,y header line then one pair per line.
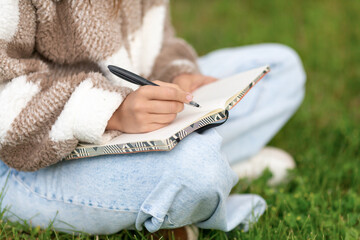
x,y
195,104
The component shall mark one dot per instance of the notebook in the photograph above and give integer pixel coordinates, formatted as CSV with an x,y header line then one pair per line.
x,y
216,100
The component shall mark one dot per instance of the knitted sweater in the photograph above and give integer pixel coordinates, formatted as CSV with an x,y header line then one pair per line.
x,y
55,89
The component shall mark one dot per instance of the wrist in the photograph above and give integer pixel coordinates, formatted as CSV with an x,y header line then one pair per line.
x,y
114,122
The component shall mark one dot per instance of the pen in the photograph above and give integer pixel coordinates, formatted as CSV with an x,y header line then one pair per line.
x,y
136,79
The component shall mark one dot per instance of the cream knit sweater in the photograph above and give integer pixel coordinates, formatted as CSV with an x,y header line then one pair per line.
x,y
55,89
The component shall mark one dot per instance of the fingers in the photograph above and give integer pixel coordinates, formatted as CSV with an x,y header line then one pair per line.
x,y
165,93
151,122
210,79
158,107
165,84
161,118
191,82
138,113
187,85
201,80
164,107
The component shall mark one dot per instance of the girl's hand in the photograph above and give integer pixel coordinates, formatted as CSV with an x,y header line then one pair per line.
x,y
191,82
149,108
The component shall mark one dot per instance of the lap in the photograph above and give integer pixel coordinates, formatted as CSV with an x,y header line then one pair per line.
x,y
122,188
125,173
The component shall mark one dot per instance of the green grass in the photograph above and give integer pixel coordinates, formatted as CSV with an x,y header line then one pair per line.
x,y
322,199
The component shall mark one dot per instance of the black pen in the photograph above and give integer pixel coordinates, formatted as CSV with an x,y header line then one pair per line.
x,y
136,79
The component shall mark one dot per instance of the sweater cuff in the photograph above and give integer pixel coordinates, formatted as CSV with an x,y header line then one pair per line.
x,y
178,67
86,114
95,108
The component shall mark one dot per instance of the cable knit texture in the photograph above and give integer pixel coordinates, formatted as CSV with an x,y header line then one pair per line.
x,y
55,89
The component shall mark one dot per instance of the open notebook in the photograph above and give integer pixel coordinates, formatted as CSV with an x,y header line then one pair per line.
x,y
216,99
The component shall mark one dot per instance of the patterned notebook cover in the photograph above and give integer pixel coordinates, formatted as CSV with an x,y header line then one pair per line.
x,y
214,118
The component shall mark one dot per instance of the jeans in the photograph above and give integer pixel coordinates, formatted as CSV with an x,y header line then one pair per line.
x,y
188,185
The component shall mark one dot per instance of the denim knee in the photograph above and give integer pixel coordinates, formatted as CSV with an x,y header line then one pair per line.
x,y
287,76
287,59
192,188
206,175
205,163
206,180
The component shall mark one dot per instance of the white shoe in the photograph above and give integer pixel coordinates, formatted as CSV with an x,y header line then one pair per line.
x,y
192,232
275,159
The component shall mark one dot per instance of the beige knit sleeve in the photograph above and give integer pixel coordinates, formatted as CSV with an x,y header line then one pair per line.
x,y
176,56
45,109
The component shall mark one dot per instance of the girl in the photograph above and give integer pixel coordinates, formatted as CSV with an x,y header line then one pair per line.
x,y
55,90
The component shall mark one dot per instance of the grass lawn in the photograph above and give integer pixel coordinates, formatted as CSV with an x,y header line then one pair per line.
x,y
322,199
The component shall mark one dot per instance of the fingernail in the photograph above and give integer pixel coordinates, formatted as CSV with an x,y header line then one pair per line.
x,y
189,97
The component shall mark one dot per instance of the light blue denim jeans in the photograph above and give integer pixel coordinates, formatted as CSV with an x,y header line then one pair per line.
x,y
190,184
